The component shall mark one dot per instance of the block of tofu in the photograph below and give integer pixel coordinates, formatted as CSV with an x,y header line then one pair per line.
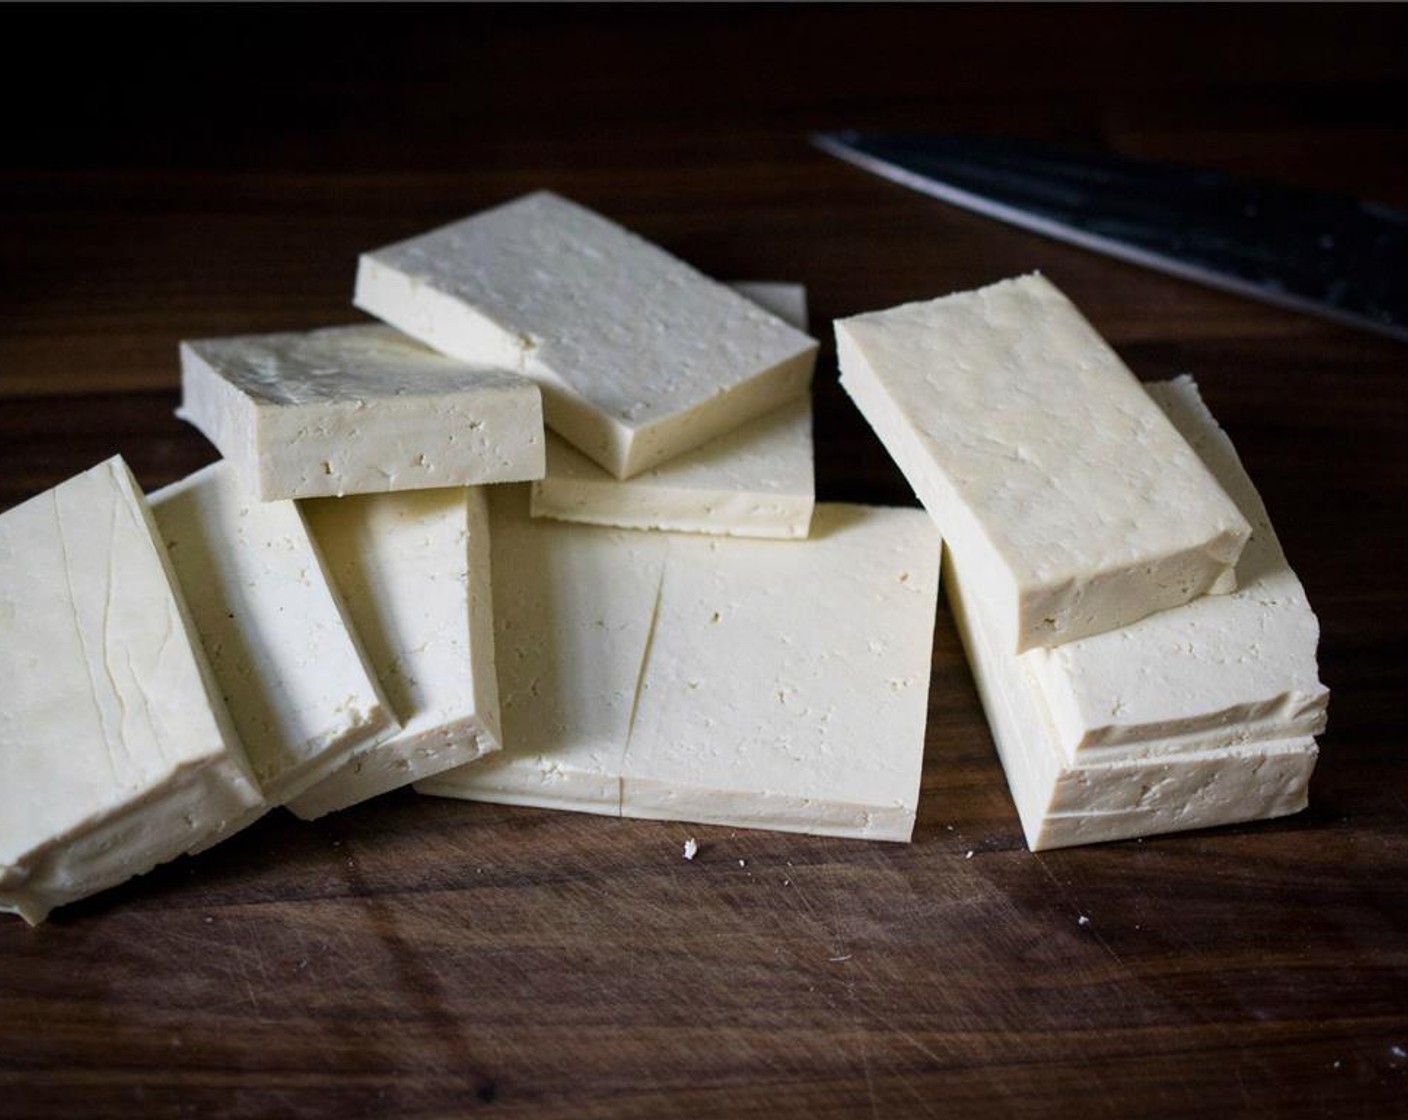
x,y
116,753
682,677
413,569
756,481
1067,497
573,608
356,410
640,357
289,667
759,709
1063,803
1221,669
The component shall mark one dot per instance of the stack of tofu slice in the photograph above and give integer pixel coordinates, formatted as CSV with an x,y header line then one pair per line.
x,y
1145,654
364,593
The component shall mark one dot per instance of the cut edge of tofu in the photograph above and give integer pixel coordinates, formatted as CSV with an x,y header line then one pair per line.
x,y
1144,796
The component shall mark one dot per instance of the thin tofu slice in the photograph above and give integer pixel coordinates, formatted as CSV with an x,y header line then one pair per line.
x,y
1237,667
787,684
413,569
573,608
290,668
626,695
1063,803
356,410
756,481
640,357
1070,502
116,752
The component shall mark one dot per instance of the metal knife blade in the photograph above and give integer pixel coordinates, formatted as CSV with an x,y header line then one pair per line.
x,y
1331,255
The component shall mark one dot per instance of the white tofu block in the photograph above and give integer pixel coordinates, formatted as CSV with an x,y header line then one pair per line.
x,y
1070,502
1063,803
640,357
787,685
573,608
413,569
116,753
756,481
358,409
290,669
1218,670
693,678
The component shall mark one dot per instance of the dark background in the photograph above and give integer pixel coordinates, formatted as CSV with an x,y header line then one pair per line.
x,y
168,172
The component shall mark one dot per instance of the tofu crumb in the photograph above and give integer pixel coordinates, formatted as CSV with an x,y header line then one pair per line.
x,y
1083,920
691,848
743,863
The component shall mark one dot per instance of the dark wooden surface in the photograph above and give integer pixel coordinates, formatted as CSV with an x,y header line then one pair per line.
x,y
168,173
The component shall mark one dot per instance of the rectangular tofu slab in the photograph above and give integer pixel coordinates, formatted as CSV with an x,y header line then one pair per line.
x,y
640,357
413,569
1218,670
116,752
1070,502
1063,803
693,678
356,410
760,708
756,481
290,668
573,608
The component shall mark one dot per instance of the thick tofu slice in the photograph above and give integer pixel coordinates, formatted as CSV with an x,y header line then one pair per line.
x,y
1069,501
413,569
756,481
356,410
693,678
1063,803
290,669
640,357
786,685
573,609
116,753
1238,667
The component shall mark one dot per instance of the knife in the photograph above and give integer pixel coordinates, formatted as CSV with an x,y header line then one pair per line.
x,y
1330,255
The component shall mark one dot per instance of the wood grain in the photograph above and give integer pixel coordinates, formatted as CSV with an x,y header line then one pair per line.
x,y
421,958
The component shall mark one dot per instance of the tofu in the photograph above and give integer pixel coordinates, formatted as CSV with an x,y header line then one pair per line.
x,y
756,481
693,678
640,357
1063,803
1228,668
290,669
356,410
573,608
414,571
1202,715
761,708
116,753
1070,502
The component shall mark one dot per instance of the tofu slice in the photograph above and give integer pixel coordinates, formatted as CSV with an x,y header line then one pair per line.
x,y
625,695
1237,667
116,753
289,667
414,571
1063,803
1069,501
760,707
640,357
573,609
356,410
756,481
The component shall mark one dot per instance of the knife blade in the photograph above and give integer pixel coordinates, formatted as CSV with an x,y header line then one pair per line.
x,y
1330,255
